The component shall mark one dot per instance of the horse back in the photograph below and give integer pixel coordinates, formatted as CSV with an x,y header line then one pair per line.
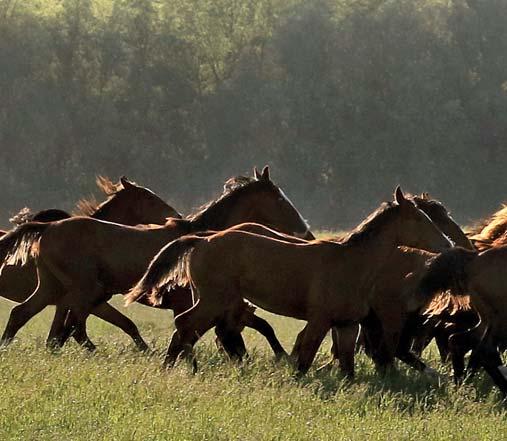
x,y
114,254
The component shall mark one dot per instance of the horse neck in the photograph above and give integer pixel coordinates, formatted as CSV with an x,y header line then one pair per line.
x,y
372,252
110,212
215,218
120,213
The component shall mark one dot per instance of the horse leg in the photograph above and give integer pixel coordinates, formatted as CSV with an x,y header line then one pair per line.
x,y
347,337
403,349
442,341
44,295
22,313
111,315
379,341
80,303
263,327
297,344
190,326
492,362
335,344
57,326
313,334
231,341
459,344
423,333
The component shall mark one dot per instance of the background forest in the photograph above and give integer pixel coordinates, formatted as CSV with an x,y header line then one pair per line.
x,y
342,98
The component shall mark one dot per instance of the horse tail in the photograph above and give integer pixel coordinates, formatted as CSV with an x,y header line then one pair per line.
x,y
17,246
447,271
167,269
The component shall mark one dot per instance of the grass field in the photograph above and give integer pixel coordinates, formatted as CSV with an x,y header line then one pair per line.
x,y
118,394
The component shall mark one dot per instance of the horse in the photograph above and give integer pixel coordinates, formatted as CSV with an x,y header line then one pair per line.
x,y
179,299
322,282
480,275
126,202
453,321
109,258
387,332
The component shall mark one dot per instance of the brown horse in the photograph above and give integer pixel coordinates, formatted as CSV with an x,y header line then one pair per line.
x,y
388,329
481,276
108,258
325,283
126,202
179,299
451,321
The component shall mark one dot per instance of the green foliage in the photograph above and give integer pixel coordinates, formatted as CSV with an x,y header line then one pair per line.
x,y
344,99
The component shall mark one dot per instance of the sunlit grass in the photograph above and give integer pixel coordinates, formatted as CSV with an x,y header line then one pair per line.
x,y
118,394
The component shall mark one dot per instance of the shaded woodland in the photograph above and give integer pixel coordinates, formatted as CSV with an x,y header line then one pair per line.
x,y
344,99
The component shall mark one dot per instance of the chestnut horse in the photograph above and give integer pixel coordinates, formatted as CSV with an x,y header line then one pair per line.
x,y
325,283
452,320
126,202
388,329
108,258
481,276
179,299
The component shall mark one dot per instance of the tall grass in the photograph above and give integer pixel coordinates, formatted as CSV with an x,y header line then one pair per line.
x,y
118,394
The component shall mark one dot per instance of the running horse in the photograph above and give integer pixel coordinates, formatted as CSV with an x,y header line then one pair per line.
x,y
482,276
127,203
453,321
322,282
108,258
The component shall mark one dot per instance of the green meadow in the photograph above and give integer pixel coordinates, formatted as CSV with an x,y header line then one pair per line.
x,y
118,394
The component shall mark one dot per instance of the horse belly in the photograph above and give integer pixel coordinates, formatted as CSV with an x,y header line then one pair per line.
x,y
276,290
17,283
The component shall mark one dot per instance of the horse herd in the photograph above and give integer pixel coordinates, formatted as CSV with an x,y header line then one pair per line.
x,y
405,275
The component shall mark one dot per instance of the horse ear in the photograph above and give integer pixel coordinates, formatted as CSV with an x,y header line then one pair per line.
x,y
257,175
265,173
399,196
126,183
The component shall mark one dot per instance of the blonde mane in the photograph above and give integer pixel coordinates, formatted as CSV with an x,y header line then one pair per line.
x,y
490,230
88,206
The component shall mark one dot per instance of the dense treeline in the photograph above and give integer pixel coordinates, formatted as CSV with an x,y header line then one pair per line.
x,y
343,98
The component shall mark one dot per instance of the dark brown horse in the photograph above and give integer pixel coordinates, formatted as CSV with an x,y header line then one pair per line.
x,y
453,321
389,328
481,276
108,258
126,202
179,299
323,282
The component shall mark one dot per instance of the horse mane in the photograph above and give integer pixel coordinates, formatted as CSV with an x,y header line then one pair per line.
x,y
210,215
501,240
22,216
491,228
50,215
428,204
446,303
371,225
89,206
